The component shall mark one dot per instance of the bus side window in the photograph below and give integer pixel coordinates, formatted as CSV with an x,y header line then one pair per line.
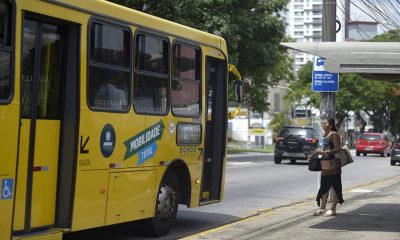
x,y
186,82
5,50
109,68
150,89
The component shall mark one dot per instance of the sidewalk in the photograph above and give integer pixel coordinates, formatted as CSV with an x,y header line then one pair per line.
x,y
369,212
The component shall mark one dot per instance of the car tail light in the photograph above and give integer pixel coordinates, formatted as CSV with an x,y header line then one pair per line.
x,y
311,140
279,139
396,146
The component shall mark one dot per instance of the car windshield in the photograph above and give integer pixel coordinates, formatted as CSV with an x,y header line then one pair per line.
x,y
370,137
302,132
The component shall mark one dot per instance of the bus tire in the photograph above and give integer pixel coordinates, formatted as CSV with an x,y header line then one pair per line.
x,y
166,207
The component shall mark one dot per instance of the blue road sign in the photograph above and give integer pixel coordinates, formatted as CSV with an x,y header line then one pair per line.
x,y
323,81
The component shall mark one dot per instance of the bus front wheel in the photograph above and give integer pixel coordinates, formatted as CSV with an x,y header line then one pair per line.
x,y
166,206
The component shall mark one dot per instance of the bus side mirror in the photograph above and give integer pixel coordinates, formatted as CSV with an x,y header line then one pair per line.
x,y
238,88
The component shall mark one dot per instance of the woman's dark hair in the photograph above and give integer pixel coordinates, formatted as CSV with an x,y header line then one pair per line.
x,y
331,122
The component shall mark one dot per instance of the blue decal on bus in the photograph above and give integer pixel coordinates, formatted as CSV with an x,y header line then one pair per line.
x,y
147,153
7,188
107,140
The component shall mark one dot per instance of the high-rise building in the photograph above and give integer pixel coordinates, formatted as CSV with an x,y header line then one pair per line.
x,y
303,19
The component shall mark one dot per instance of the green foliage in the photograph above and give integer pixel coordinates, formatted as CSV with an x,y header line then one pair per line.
x,y
278,122
302,87
389,36
392,91
252,29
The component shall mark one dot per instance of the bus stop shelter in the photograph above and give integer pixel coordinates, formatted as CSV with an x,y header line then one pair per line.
x,y
373,60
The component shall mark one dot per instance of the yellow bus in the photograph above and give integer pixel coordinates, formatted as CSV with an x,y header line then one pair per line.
x,y
107,115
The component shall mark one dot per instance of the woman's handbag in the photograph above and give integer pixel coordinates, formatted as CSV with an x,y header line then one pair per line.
x,y
344,155
314,163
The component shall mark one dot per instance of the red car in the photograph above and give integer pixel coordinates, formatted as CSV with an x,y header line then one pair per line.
x,y
373,143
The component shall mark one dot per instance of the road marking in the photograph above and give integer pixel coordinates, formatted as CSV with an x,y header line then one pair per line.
x,y
362,190
238,163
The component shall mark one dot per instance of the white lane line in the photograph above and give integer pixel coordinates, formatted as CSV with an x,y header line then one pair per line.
x,y
362,190
237,163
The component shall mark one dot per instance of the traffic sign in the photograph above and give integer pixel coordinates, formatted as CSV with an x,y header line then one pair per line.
x,y
323,81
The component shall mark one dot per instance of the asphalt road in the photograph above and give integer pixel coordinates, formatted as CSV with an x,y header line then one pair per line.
x,y
252,184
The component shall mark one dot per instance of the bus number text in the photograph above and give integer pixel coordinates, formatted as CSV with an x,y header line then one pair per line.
x,y
84,162
188,149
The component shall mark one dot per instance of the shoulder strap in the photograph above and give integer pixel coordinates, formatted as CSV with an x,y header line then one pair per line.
x,y
330,135
336,133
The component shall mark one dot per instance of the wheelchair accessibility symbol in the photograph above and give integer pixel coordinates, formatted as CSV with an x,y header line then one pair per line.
x,y
6,188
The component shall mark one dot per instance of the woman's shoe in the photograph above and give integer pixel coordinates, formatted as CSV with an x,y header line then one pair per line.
x,y
329,213
319,212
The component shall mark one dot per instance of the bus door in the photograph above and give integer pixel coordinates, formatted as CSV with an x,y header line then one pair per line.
x,y
215,139
9,115
48,113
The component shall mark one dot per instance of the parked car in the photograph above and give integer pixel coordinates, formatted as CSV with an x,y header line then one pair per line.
x,y
395,153
373,143
295,143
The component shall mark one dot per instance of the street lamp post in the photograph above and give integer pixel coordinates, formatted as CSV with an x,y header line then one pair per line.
x,y
287,88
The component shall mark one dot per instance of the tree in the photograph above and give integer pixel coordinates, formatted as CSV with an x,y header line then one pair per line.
x,y
252,29
389,36
392,102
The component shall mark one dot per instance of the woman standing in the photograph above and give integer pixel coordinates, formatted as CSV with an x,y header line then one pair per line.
x,y
329,178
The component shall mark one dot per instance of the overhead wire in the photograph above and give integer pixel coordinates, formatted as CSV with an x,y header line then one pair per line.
x,y
390,11
374,18
374,13
380,11
395,9
358,28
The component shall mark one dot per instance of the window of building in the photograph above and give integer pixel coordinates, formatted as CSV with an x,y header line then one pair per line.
x,y
150,89
186,81
109,68
299,13
5,50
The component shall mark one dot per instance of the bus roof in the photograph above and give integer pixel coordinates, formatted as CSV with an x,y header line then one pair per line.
x,y
140,19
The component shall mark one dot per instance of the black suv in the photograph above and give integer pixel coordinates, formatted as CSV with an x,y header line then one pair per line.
x,y
295,143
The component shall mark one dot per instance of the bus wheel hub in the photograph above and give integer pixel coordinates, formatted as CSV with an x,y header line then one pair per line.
x,y
166,202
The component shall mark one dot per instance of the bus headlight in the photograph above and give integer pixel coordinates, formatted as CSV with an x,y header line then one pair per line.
x,y
188,134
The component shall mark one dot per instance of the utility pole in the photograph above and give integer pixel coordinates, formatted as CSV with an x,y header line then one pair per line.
x,y
346,19
327,104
